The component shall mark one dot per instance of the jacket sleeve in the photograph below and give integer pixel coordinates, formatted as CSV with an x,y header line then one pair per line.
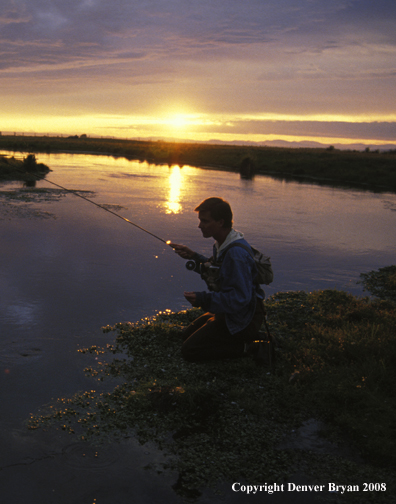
x,y
200,258
236,279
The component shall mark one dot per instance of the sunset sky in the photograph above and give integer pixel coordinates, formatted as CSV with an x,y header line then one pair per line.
x,y
250,70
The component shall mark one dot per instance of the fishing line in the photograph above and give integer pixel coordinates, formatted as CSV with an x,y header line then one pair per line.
x,y
167,242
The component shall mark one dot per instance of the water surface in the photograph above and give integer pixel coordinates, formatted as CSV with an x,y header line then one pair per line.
x,y
67,268
65,261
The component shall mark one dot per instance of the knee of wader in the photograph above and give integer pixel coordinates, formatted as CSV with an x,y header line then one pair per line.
x,y
187,352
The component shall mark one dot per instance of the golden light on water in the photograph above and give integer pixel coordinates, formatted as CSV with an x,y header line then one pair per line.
x,y
175,185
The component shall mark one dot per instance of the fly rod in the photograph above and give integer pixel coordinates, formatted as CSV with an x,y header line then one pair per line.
x,y
75,192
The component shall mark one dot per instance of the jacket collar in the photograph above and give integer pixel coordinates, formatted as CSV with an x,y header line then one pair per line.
x,y
232,236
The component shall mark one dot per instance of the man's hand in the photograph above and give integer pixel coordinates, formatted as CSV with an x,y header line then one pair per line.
x,y
191,298
182,251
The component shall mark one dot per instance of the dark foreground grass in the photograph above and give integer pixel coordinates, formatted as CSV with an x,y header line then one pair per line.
x,y
381,283
226,421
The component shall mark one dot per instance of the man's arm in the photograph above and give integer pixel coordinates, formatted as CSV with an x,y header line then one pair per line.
x,y
187,253
191,298
182,251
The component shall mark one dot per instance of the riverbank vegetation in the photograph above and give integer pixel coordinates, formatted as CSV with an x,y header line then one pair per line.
x,y
372,170
26,169
235,421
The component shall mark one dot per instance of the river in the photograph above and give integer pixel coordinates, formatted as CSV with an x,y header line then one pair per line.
x,y
68,267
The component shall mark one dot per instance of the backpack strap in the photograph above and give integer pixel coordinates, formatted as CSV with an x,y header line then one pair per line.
x,y
235,244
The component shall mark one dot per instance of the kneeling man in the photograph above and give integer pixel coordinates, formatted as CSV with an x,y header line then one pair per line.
x,y
234,310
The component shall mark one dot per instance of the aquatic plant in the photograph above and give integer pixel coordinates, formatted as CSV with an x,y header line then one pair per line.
x,y
219,421
381,283
22,203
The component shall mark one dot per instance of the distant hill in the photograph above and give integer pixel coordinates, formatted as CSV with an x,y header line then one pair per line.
x,y
314,145
305,144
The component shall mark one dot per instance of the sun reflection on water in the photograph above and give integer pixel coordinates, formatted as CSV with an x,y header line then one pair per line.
x,y
175,185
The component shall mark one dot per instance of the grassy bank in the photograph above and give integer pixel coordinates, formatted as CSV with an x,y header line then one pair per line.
x,y
370,170
27,169
229,421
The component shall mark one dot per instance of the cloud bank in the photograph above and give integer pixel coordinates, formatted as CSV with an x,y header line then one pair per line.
x,y
155,57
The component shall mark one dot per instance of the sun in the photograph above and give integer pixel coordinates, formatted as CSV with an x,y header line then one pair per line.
x,y
178,121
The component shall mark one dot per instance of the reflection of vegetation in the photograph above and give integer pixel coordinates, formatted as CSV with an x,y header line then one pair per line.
x,y
226,420
372,170
27,170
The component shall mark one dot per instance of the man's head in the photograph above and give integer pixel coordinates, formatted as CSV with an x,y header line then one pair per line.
x,y
215,218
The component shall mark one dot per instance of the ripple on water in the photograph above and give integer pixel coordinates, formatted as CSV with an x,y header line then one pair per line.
x,y
14,353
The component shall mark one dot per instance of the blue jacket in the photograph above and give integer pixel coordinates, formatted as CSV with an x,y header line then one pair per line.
x,y
238,293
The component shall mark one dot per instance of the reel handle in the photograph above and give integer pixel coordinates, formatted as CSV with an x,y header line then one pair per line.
x,y
191,265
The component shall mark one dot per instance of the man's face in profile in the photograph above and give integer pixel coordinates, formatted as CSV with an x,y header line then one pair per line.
x,y
208,226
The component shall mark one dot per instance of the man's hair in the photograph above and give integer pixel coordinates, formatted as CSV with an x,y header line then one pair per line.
x,y
218,208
